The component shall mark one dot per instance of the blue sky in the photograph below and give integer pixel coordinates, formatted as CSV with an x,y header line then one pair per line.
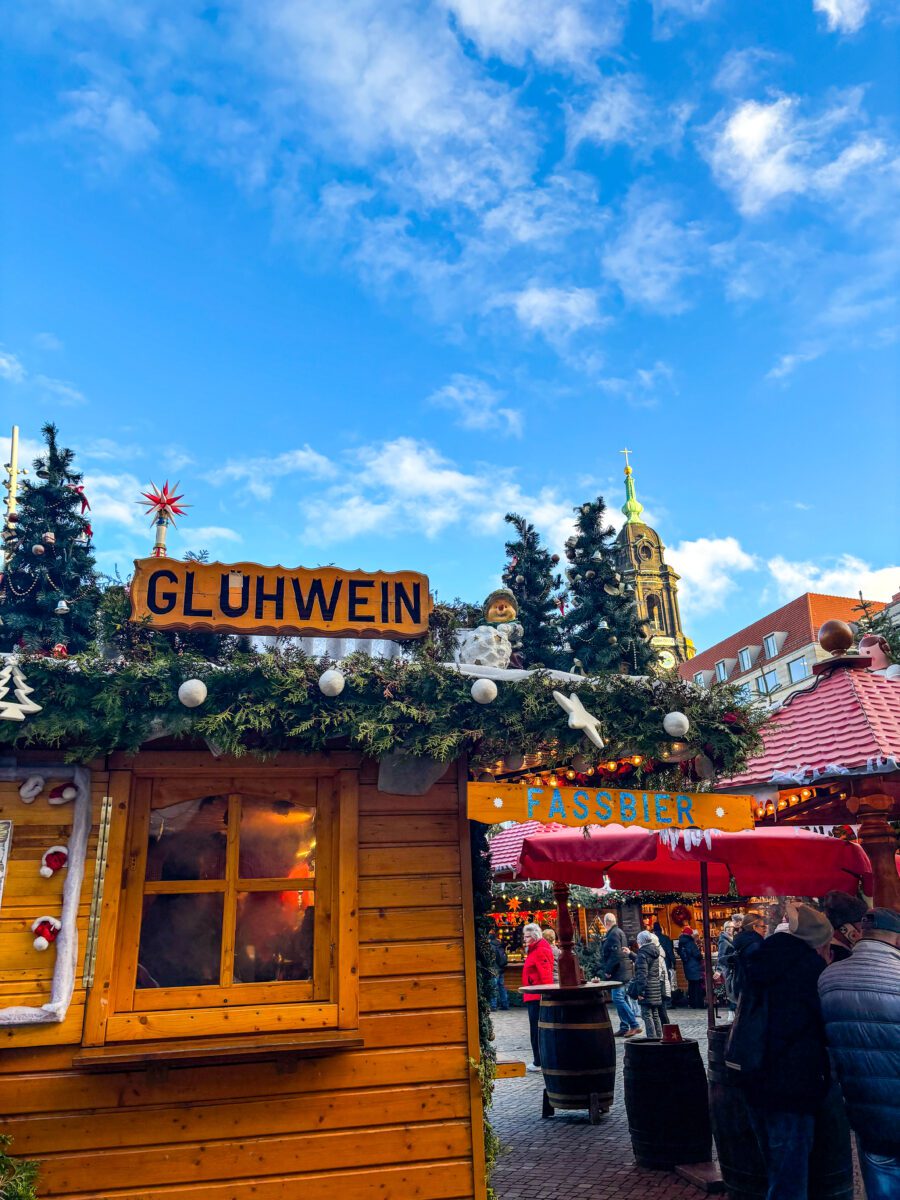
x,y
366,275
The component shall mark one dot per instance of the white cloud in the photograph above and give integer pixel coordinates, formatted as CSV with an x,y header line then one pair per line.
x,y
552,32
110,118
203,534
843,16
642,388
107,449
845,575
555,312
708,567
788,363
740,70
768,151
256,474
670,15
48,341
60,389
652,255
477,405
11,368
618,112
114,500
176,457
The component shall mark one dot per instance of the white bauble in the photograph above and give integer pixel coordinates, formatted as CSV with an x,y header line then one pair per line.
x,y
676,724
331,683
484,691
192,693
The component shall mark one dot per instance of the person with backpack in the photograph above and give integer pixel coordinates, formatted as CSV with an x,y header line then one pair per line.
x,y
692,962
499,994
777,1046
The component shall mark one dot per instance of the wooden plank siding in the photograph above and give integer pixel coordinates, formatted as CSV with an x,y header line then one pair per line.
x,y
398,1119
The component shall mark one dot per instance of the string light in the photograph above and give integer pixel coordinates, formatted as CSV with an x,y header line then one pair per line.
x,y
805,793
636,760
570,774
612,765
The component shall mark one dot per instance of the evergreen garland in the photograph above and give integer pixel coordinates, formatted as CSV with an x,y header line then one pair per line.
x,y
601,623
50,521
17,1175
531,576
264,703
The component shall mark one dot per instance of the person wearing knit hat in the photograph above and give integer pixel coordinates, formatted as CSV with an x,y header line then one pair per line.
x,y
861,1007
785,1095
845,913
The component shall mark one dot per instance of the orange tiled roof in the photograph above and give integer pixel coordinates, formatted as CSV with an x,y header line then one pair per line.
x,y
800,619
847,719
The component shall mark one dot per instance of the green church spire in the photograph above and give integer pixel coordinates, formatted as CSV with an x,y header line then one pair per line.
x,y
632,508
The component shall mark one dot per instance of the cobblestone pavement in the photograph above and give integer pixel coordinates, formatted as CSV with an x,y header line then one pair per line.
x,y
566,1157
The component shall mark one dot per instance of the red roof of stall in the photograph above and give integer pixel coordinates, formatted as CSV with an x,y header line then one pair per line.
x,y
845,720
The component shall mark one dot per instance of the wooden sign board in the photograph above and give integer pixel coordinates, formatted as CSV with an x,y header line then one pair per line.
x,y
495,802
247,598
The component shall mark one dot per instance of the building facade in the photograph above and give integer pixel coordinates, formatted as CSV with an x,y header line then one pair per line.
x,y
643,566
774,657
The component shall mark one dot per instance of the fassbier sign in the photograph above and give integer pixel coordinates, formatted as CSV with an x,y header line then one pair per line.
x,y
247,598
496,802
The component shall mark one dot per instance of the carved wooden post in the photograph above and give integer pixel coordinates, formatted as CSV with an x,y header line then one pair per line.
x,y
570,973
877,839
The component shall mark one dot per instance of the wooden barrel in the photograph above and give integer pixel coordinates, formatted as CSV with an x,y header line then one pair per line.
x,y
667,1104
740,1161
578,1051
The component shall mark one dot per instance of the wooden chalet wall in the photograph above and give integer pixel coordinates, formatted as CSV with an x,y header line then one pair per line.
x,y
398,1119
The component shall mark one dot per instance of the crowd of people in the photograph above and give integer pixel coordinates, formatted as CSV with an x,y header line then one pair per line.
x,y
816,1001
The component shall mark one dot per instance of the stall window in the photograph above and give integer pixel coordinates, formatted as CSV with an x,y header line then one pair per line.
x,y
228,913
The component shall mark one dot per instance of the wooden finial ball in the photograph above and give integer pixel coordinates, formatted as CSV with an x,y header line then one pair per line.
x,y
836,637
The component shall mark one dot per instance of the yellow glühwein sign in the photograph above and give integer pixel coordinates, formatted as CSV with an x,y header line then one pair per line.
x,y
247,598
495,802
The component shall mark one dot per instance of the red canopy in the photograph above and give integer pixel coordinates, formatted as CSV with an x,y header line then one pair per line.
x,y
782,861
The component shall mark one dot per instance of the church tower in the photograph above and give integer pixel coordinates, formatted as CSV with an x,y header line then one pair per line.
x,y
642,564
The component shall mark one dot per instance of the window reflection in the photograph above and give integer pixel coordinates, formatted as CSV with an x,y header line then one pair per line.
x,y
187,840
274,937
181,940
277,840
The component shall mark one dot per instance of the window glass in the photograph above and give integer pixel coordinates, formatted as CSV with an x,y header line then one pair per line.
x,y
698,679
277,840
768,682
744,659
771,645
181,940
798,669
187,840
721,671
274,936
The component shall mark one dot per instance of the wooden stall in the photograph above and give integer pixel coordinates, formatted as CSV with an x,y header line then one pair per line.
x,y
273,992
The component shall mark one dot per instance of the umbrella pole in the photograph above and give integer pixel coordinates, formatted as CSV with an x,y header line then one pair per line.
x,y
570,974
707,947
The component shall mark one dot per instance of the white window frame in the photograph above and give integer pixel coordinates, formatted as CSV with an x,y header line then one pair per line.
x,y
722,670
698,679
762,683
806,672
745,658
771,640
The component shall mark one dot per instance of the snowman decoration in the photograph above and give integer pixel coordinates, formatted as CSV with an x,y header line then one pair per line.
x,y
496,642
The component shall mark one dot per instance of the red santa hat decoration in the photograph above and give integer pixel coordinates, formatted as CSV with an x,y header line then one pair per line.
x,y
46,931
53,860
62,794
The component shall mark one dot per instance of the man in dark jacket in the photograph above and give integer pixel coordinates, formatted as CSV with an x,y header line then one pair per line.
x,y
667,946
692,962
861,1006
499,994
784,1096
747,942
617,965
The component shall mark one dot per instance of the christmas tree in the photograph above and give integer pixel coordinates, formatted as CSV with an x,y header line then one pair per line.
x,y
530,574
601,623
49,589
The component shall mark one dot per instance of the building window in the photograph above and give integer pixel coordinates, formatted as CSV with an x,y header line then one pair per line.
x,y
767,682
698,679
721,670
770,645
229,911
744,659
654,612
798,669
745,691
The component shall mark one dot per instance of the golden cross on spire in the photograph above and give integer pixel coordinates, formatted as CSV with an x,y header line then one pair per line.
x,y
626,453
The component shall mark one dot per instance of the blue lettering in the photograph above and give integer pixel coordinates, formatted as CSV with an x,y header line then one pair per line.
x,y
660,800
533,800
557,808
579,805
646,809
685,810
627,811
603,810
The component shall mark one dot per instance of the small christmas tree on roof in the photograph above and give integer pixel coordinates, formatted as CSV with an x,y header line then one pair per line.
x,y
49,590
531,575
602,623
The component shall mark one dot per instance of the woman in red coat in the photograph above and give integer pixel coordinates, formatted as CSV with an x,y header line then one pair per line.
x,y
538,969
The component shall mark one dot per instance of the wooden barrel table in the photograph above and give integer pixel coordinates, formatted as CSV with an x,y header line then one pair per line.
x,y
667,1104
578,1050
